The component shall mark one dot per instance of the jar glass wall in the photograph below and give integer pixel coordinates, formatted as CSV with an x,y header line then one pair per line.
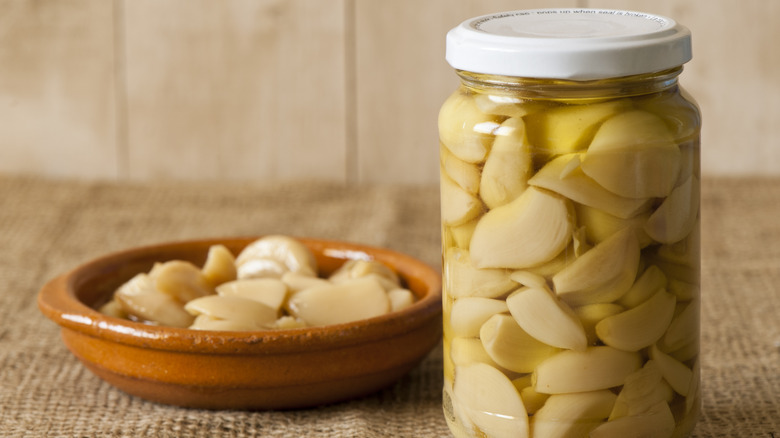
x,y
570,233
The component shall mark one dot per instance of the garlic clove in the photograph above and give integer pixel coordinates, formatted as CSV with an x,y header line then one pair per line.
x,y
469,313
220,266
599,225
400,299
466,351
528,231
510,346
633,155
650,282
602,274
657,422
570,128
466,175
684,328
590,315
464,129
641,391
240,310
139,297
278,254
675,372
546,318
572,415
564,175
350,300
596,368
489,399
269,291
675,218
638,327
462,279
508,165
181,280
207,322
457,205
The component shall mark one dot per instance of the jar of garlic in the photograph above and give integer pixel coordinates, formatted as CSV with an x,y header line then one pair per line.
x,y
570,227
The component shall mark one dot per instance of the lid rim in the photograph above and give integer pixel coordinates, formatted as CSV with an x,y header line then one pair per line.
x,y
508,51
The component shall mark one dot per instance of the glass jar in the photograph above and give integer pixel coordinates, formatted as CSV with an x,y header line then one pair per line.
x,y
570,227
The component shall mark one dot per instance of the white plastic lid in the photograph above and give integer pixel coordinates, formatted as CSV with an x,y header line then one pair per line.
x,y
577,44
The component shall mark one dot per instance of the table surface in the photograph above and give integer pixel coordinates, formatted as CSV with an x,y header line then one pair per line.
x,y
48,227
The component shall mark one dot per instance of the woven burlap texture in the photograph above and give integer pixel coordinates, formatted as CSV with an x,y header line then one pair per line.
x,y
47,227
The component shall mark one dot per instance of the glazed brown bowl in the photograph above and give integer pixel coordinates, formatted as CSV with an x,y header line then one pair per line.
x,y
279,369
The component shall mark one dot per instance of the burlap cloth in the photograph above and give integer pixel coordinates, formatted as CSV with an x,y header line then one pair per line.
x,y
47,227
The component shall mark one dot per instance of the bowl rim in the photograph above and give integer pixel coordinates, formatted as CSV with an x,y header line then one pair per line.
x,y
57,300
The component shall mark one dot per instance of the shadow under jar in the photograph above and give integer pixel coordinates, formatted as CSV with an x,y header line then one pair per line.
x,y
570,227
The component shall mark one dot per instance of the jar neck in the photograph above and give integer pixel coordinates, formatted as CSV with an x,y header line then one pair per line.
x,y
535,88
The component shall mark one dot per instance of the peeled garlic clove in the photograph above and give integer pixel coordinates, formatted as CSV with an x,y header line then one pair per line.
x,y
296,281
676,216
207,322
532,400
594,369
569,128
684,328
547,319
657,422
242,311
181,280
469,313
356,268
599,225
641,391
528,231
288,322
508,165
113,308
527,278
640,326
675,372
510,346
261,268
462,279
400,299
650,282
457,205
283,251
560,176
351,300
590,315
461,234
490,400
220,266
572,415
269,291
138,297
633,155
466,351
602,274
466,130
464,174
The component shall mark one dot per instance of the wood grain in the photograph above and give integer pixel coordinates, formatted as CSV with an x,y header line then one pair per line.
x,y
57,84
236,90
335,90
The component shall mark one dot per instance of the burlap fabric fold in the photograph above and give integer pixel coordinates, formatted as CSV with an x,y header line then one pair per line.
x,y
48,227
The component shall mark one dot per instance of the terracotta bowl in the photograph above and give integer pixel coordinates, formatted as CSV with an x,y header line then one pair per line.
x,y
280,369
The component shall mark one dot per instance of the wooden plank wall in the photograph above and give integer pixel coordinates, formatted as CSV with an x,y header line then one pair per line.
x,y
335,90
